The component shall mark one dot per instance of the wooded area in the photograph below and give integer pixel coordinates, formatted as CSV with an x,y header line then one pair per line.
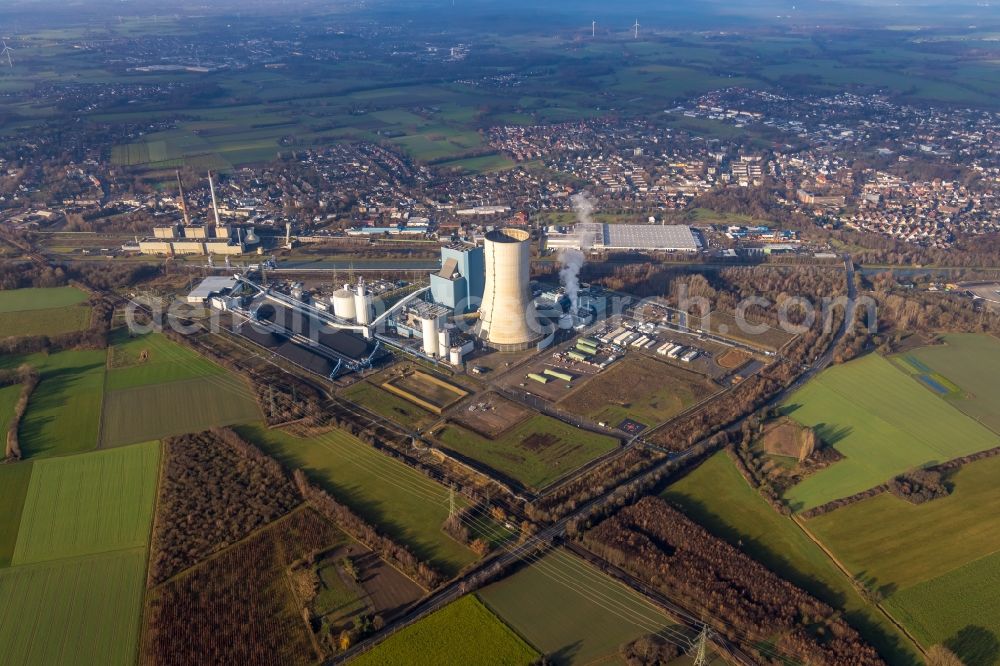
x,y
215,490
748,603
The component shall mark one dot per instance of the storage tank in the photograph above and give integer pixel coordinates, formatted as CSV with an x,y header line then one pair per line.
x,y
363,305
455,356
343,304
508,320
429,329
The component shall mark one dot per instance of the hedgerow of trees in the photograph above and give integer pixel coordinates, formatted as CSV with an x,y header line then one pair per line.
x,y
28,378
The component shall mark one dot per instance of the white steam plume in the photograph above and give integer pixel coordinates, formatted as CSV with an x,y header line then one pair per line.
x,y
571,258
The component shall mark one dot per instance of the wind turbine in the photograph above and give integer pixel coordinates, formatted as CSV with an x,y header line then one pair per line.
x,y
636,26
6,52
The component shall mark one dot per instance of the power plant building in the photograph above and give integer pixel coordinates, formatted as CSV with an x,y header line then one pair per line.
x,y
460,283
508,320
198,239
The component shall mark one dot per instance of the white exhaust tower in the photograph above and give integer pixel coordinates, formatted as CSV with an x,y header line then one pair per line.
x,y
507,318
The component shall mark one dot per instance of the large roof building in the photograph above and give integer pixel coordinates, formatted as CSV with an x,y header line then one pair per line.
x,y
597,236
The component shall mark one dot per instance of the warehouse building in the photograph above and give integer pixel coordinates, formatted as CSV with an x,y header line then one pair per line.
x,y
648,237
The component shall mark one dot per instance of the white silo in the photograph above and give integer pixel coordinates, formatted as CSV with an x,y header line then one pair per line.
x,y
429,330
455,356
507,318
343,304
363,305
444,342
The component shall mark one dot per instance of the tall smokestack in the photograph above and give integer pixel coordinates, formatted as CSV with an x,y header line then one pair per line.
x,y
507,318
184,206
215,206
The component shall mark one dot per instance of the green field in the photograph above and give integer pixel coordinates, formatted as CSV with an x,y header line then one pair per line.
x,y
49,311
899,552
174,408
462,633
18,300
65,409
883,421
166,361
90,503
483,164
973,363
910,551
399,500
157,388
535,452
14,480
960,609
717,496
53,321
572,612
85,611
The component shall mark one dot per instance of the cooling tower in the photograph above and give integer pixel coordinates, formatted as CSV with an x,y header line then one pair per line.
x,y
507,317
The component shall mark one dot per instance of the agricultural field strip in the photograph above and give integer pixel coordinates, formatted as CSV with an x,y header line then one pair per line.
x,y
431,490
175,358
9,395
89,503
400,477
580,579
65,408
177,407
599,588
178,365
973,363
50,321
907,425
25,300
939,608
14,481
100,624
899,552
